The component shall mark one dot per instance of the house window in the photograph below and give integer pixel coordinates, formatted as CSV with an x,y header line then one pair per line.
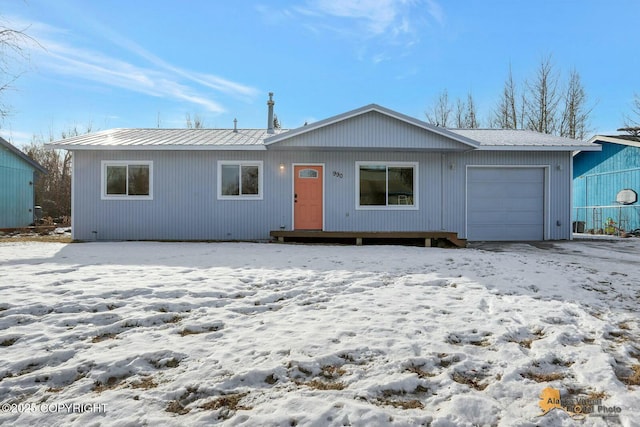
x,y
131,180
239,180
386,185
308,173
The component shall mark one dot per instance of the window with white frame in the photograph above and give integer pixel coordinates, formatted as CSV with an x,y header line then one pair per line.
x,y
386,185
239,180
130,180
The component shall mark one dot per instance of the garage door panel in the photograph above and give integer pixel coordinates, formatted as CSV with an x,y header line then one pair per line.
x,y
525,174
494,203
505,174
488,234
506,218
505,204
511,189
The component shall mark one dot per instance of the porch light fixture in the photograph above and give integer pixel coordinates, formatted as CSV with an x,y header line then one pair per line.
x,y
282,167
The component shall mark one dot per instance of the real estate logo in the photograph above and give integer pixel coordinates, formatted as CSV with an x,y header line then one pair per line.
x,y
577,407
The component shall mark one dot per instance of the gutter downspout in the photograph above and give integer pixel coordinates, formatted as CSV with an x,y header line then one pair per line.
x,y
571,198
442,195
73,197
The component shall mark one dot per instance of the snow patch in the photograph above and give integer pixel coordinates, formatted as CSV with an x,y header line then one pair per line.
x,y
265,334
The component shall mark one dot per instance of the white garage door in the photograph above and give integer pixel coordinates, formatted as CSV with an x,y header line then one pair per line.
x,y
505,203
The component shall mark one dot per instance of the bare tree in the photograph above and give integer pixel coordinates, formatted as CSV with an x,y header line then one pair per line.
x,y
197,122
633,130
575,115
543,106
53,190
542,98
508,114
459,114
470,115
438,114
13,50
632,122
464,113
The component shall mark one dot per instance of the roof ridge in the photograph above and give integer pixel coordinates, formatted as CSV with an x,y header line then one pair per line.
x,y
191,129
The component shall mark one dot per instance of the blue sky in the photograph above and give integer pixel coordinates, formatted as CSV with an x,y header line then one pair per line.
x,y
123,63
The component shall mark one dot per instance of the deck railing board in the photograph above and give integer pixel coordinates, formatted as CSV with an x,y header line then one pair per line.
x,y
360,236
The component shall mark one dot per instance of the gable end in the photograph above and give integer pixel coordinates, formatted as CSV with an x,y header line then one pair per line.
x,y
371,129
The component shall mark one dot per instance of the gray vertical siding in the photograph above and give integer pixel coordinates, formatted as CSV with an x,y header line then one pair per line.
x,y
185,204
372,131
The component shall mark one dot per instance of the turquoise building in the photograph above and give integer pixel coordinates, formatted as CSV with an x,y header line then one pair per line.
x,y
606,185
17,178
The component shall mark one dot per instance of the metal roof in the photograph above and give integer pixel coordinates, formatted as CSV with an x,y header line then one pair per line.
x,y
630,140
17,152
260,139
167,139
517,139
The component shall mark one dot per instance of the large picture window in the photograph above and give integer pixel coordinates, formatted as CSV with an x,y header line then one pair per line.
x,y
386,185
127,180
239,180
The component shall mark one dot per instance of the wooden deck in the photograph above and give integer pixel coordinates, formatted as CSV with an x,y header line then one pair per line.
x,y
428,238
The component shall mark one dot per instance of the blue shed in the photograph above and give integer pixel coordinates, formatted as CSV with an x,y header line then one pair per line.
x,y
17,177
606,185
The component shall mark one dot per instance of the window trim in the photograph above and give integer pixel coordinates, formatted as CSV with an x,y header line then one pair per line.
x,y
240,163
103,179
414,165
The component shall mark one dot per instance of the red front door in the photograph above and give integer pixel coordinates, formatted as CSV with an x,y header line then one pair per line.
x,y
307,189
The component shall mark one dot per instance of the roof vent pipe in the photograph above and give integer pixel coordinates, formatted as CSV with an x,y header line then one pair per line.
x,y
270,104
235,125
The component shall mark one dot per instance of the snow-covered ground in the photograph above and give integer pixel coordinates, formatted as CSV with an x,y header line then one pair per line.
x,y
242,334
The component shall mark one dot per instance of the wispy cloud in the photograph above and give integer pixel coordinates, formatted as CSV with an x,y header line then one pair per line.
x,y
390,19
375,26
377,16
436,11
208,80
151,75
